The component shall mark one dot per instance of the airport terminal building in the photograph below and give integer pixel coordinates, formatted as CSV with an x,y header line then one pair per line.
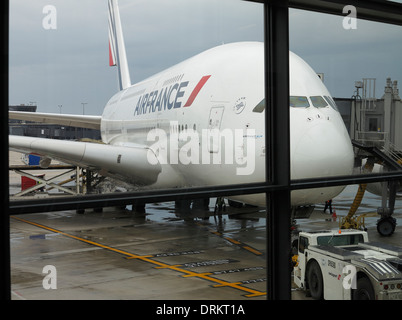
x,y
43,130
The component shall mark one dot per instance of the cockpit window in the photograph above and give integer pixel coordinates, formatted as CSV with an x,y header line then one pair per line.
x,y
331,103
302,102
260,107
318,101
298,102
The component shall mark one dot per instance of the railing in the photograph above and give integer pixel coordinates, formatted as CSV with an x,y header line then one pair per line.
x,y
392,151
372,138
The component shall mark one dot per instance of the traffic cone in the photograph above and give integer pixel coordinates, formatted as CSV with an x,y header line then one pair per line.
x,y
334,216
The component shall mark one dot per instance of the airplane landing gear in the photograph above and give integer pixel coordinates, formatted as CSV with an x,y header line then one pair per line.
x,y
386,224
189,209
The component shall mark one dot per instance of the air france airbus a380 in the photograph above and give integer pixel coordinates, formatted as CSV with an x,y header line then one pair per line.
x,y
201,123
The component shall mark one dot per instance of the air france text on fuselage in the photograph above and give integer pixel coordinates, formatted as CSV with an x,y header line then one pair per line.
x,y
167,98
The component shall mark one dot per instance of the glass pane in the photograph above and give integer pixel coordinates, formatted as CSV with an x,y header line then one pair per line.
x,y
339,240
331,103
260,107
353,75
160,105
318,102
183,118
359,68
299,102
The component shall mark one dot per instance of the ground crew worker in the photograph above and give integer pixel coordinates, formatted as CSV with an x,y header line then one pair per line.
x,y
328,205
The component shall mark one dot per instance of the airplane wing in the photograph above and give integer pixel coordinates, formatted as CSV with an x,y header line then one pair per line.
x,y
81,121
132,163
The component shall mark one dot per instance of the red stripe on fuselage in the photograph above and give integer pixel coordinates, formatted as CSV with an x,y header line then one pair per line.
x,y
196,90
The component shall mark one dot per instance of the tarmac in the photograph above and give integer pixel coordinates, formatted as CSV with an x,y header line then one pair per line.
x,y
117,254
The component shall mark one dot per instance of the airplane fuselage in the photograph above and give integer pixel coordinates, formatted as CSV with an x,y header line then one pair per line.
x,y
203,119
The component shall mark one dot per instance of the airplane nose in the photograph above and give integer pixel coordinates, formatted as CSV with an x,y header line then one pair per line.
x,y
324,150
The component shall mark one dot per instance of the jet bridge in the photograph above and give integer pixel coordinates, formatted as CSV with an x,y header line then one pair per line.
x,y
377,138
390,160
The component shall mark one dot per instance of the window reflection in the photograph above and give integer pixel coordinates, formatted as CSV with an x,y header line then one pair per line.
x,y
298,102
318,101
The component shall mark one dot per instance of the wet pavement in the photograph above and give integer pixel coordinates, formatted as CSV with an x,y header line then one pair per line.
x,y
116,254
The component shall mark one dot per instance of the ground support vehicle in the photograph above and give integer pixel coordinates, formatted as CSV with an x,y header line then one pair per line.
x,y
344,265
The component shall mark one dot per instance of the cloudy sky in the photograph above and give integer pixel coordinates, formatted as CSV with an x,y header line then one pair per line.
x,y
68,65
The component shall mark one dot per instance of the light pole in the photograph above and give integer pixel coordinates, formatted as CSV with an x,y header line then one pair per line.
x,y
83,112
83,107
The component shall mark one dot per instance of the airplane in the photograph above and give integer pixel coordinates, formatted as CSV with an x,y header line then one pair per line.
x,y
201,123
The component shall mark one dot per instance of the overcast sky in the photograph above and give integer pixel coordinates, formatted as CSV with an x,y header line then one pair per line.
x,y
68,66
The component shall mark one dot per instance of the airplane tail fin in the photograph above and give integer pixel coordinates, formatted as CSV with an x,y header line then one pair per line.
x,y
117,50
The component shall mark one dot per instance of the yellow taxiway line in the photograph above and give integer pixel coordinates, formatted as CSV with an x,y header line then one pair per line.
x,y
157,264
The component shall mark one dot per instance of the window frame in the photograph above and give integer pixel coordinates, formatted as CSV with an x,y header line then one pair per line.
x,y
278,185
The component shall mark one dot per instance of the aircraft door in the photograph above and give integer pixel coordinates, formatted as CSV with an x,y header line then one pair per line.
x,y
214,124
